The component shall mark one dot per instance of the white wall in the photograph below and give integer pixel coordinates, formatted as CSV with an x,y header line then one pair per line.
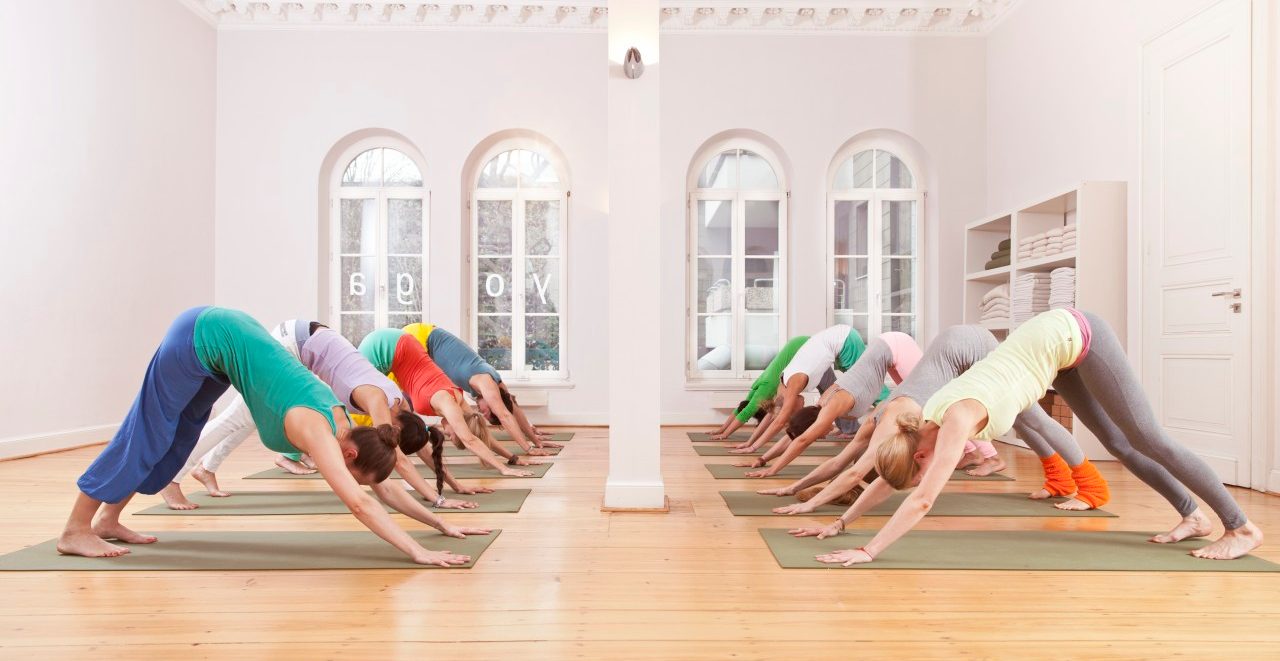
x,y
810,94
286,97
106,159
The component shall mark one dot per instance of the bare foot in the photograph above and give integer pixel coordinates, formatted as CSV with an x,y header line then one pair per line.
x,y
117,530
1195,524
89,545
988,466
294,467
1232,544
1073,505
209,480
175,499
1040,494
309,462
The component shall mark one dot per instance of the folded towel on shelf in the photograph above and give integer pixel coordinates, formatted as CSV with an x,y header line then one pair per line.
x,y
999,291
997,263
1057,231
1005,245
1000,253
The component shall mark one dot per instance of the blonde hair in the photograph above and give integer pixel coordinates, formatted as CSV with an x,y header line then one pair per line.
x,y
479,428
896,457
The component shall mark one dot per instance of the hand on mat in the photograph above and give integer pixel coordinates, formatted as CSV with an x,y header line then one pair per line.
x,y
549,444
463,532
537,452
451,504
515,473
847,557
779,491
471,491
754,463
441,558
718,436
522,461
745,445
795,508
821,533
768,472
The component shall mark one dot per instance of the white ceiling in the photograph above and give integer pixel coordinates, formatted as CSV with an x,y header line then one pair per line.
x,y
795,16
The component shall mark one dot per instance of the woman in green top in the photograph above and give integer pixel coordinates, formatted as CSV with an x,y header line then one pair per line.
x,y
763,390
206,350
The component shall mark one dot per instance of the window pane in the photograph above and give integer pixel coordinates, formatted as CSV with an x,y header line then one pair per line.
x,y
861,169
542,343
356,229
358,284
762,278
851,227
355,326
720,171
715,288
494,227
404,227
364,170
493,288
402,320
762,340
537,171
399,170
898,227
898,284
715,335
715,227
495,341
756,173
404,277
844,176
891,172
850,291
542,285
500,172
901,323
762,226
858,321
542,227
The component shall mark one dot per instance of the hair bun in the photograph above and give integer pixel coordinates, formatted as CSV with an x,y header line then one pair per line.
x,y
908,423
389,436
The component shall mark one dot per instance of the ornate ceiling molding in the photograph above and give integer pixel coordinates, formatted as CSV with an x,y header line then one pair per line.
x,y
793,16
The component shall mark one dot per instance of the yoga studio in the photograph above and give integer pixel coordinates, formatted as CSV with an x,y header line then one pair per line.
x,y
640,329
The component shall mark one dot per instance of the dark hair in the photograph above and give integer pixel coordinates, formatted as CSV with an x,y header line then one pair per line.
x,y
437,456
507,400
758,414
413,432
802,421
376,450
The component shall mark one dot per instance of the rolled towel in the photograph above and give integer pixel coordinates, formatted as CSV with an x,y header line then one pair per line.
x,y
1000,253
997,263
1005,245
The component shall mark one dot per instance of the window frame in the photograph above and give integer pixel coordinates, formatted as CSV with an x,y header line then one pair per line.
x,y
737,374
519,196
875,197
382,196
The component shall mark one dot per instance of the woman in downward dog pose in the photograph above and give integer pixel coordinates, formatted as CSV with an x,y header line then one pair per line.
x,y
205,350
1078,354
356,383
479,379
395,352
838,347
854,393
1067,472
760,397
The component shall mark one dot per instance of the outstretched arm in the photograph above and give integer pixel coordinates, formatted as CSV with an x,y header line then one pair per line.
x,y
827,415
452,411
398,500
530,431
407,471
489,391
838,465
791,403
877,492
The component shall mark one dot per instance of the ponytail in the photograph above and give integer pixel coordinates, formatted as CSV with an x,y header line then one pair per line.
x,y
437,456
896,457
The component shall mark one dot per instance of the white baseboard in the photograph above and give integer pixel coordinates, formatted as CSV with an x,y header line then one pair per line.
x,y
634,495
567,419
25,446
1273,482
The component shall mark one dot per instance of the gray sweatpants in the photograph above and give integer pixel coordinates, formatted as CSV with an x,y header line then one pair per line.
x,y
1104,393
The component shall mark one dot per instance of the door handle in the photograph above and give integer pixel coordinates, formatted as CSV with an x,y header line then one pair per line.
x,y
1234,293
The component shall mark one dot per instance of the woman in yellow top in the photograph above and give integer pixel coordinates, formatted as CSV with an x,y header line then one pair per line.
x,y
1079,356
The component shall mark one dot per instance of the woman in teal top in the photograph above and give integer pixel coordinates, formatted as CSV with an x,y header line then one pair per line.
x,y
206,350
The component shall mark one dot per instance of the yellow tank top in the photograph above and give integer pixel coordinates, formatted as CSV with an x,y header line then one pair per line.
x,y
420,331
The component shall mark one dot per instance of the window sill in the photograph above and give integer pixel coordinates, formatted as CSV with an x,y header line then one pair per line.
x,y
518,385
735,385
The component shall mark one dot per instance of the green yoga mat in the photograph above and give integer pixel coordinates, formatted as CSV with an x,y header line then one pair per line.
x,y
704,437
750,503
721,451
467,471
273,503
236,551
452,451
797,471
1040,550
557,437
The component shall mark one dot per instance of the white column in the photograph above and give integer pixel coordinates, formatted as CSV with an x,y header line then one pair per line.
x,y
635,441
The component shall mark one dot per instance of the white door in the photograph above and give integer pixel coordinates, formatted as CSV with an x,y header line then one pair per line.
x,y
1195,228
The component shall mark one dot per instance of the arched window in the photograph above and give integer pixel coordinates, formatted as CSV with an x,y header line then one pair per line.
x,y
378,244
737,261
873,211
518,223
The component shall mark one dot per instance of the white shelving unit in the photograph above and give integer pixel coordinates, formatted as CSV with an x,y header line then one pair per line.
x,y
1099,212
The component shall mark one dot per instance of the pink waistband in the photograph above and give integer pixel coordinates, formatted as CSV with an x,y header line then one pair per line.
x,y
1085,334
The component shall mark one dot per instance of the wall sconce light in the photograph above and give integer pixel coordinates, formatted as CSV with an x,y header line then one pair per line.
x,y
632,65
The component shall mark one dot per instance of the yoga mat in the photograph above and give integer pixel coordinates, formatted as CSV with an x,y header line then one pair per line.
x,y
704,437
235,551
1041,550
468,471
797,471
750,503
556,437
452,451
721,451
271,503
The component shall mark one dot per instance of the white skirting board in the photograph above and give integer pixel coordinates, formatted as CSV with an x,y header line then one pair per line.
x,y
23,446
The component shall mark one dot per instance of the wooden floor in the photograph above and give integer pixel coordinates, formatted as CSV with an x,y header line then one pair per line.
x,y
567,581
